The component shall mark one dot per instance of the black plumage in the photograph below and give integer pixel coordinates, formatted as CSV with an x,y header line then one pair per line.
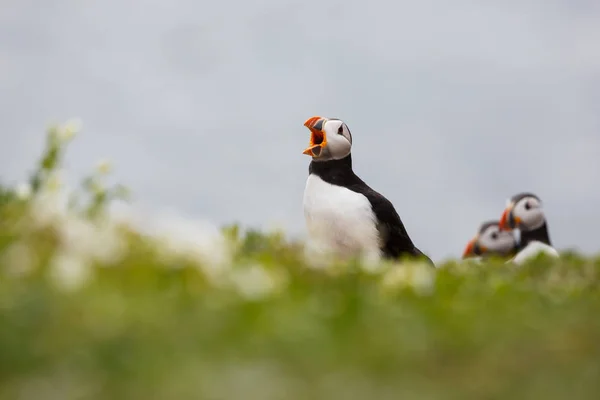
x,y
535,235
395,238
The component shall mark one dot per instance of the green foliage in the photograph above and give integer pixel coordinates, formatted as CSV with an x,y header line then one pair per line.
x,y
6,196
94,308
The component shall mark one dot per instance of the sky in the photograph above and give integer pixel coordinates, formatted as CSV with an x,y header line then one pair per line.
x,y
453,106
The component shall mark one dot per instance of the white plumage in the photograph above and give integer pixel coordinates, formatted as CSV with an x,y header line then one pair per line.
x,y
532,250
339,220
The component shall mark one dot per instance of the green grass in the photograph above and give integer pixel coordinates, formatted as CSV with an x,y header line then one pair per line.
x,y
94,309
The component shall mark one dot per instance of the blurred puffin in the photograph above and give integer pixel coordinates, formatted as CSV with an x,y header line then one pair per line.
x,y
343,214
489,241
524,212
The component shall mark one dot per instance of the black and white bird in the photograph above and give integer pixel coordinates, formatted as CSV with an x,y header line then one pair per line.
x,y
490,241
524,212
343,214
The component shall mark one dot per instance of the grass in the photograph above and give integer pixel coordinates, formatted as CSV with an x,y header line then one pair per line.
x,y
97,308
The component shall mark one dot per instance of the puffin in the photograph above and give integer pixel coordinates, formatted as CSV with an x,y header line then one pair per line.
x,y
489,241
343,214
524,212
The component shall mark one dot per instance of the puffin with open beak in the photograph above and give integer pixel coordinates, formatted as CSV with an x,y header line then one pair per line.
x,y
524,212
490,241
344,216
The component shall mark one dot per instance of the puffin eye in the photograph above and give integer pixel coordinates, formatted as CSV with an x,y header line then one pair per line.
x,y
494,235
341,130
527,205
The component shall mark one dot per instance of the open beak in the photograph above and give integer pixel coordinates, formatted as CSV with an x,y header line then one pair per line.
x,y
473,249
508,221
318,139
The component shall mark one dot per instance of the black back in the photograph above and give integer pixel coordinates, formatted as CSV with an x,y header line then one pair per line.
x,y
396,242
539,234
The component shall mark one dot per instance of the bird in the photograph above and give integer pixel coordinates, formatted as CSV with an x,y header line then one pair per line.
x,y
524,212
491,241
343,214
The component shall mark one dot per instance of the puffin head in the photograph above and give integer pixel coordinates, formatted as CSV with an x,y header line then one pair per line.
x,y
490,240
330,139
523,211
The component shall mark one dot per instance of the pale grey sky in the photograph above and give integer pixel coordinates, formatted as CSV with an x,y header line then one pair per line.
x,y
453,106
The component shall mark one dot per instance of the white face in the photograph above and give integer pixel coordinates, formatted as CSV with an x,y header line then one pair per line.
x,y
497,241
529,211
338,139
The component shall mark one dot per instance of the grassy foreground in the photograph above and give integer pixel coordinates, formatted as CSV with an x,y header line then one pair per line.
x,y
97,308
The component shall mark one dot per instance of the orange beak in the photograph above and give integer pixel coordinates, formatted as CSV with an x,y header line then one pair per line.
x,y
318,139
473,249
468,252
508,221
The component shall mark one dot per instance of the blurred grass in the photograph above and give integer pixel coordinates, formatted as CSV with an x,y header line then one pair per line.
x,y
95,309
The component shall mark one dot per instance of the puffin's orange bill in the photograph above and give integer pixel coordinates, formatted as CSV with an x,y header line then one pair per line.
x,y
473,249
314,151
310,123
505,223
318,139
469,249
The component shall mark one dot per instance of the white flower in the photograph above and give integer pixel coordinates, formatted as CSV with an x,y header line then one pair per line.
x,y
196,240
70,129
253,282
48,207
423,279
23,191
419,276
70,271
104,167
99,241
371,263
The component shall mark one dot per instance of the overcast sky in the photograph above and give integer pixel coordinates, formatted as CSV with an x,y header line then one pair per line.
x,y
453,106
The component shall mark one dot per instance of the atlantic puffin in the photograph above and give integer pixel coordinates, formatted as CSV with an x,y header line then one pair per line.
x,y
343,214
524,212
490,241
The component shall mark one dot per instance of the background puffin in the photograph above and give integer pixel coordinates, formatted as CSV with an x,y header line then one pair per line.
x,y
490,240
343,214
524,212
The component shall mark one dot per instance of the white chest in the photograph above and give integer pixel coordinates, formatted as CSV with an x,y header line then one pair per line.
x,y
532,250
339,219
